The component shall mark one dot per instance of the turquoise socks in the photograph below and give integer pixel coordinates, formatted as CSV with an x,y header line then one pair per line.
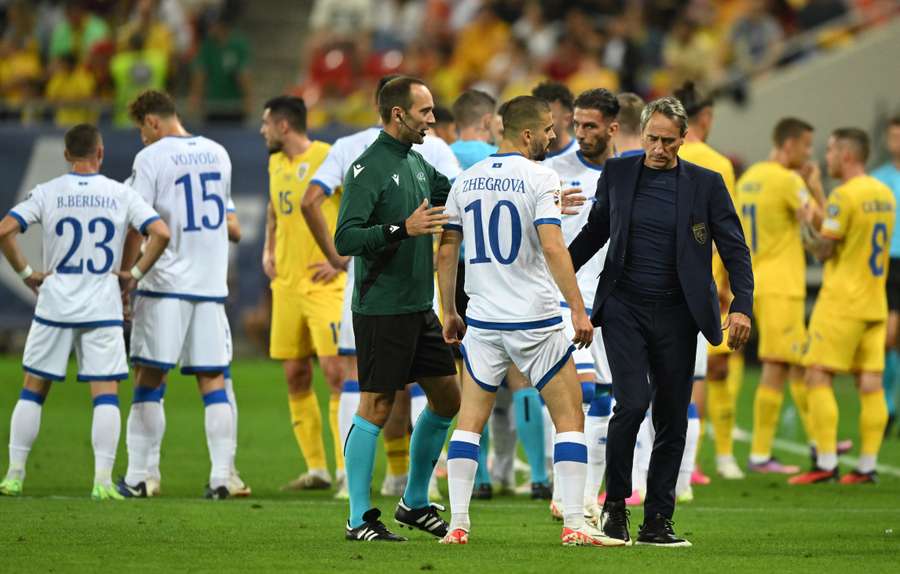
x,y
359,454
428,438
482,476
891,359
530,428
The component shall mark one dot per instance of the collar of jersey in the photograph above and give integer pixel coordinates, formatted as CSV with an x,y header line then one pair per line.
x,y
563,150
506,154
83,174
586,163
393,143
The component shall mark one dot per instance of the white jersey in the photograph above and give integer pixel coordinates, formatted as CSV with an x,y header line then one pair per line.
x,y
574,171
497,204
84,220
188,181
346,150
569,149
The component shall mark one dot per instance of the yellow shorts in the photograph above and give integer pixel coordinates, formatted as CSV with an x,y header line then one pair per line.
x,y
721,348
845,344
781,324
305,325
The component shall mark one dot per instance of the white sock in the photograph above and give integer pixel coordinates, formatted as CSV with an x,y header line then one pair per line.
x,y
417,404
692,439
219,436
153,460
549,435
144,433
347,408
867,463
105,429
462,464
23,430
595,431
826,460
232,401
570,470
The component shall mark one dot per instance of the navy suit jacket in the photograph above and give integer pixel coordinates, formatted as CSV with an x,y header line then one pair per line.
x,y
705,214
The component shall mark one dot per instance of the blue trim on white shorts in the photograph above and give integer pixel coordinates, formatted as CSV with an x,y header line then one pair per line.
x,y
554,369
182,296
151,363
488,388
492,325
93,378
23,226
81,325
43,374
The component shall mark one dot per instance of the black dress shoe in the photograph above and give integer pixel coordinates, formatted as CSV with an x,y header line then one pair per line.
x,y
614,521
483,492
657,531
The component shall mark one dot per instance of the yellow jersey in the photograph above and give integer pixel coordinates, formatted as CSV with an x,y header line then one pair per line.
x,y
295,247
768,197
860,217
705,156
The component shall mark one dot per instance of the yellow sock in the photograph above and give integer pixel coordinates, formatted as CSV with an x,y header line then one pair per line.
x,y
720,406
873,416
334,405
735,374
798,394
397,451
307,421
823,417
766,411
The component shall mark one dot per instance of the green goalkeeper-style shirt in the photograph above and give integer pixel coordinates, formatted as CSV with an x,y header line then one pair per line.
x,y
393,273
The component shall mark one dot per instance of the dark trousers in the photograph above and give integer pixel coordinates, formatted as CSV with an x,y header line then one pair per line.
x,y
657,340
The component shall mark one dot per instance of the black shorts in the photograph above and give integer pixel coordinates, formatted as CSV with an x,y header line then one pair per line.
x,y
893,285
394,350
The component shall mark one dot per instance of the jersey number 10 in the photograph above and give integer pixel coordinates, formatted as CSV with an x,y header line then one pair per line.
x,y
515,228
207,196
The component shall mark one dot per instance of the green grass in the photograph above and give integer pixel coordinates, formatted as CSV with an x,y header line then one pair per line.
x,y
755,524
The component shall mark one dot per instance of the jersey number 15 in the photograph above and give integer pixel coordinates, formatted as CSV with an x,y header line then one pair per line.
x,y
206,196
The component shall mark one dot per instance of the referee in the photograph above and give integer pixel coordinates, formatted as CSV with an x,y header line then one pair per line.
x,y
391,205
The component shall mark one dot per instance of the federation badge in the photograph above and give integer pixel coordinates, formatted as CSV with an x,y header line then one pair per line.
x,y
700,233
302,170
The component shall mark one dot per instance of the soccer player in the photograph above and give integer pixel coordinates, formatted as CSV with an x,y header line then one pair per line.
x,y
715,393
561,101
889,174
595,124
325,182
771,196
508,206
386,224
474,112
444,125
84,217
307,291
628,137
179,307
848,324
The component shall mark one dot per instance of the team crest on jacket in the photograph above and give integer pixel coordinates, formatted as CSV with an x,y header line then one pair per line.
x,y
700,233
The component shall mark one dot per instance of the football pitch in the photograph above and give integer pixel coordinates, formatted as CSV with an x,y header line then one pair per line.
x,y
756,525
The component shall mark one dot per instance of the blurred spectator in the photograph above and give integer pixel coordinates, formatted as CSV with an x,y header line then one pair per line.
x,y
220,84
77,33
154,34
477,42
689,54
71,88
622,53
137,68
444,124
397,23
592,73
337,23
20,62
538,35
755,39
814,13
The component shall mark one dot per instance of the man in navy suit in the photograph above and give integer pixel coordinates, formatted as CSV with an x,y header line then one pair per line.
x,y
662,216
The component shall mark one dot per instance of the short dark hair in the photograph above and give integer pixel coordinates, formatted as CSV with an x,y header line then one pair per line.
x,y
471,106
788,129
629,117
151,102
382,81
443,115
290,108
396,93
551,91
82,141
857,138
599,99
894,121
523,112
693,101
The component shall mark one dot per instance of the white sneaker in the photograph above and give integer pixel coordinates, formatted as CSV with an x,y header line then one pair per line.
x,y
236,486
394,484
312,480
686,496
592,513
728,469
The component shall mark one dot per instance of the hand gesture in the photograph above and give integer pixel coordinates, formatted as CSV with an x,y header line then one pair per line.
x,y
426,220
811,174
35,280
268,264
325,272
454,328
738,327
584,330
571,200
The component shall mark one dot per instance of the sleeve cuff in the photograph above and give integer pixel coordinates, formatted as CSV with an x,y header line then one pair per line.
x,y
143,228
23,225
547,221
325,187
453,227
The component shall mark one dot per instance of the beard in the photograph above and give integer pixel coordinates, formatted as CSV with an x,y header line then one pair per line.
x,y
274,147
538,152
600,148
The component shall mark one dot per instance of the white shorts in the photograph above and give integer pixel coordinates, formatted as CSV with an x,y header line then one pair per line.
x,y
100,352
702,358
590,359
346,338
538,353
167,331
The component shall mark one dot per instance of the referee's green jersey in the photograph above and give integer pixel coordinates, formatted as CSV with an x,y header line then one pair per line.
x,y
381,189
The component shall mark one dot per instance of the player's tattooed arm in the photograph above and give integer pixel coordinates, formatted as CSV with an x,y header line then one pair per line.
x,y
268,254
822,248
9,229
447,259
